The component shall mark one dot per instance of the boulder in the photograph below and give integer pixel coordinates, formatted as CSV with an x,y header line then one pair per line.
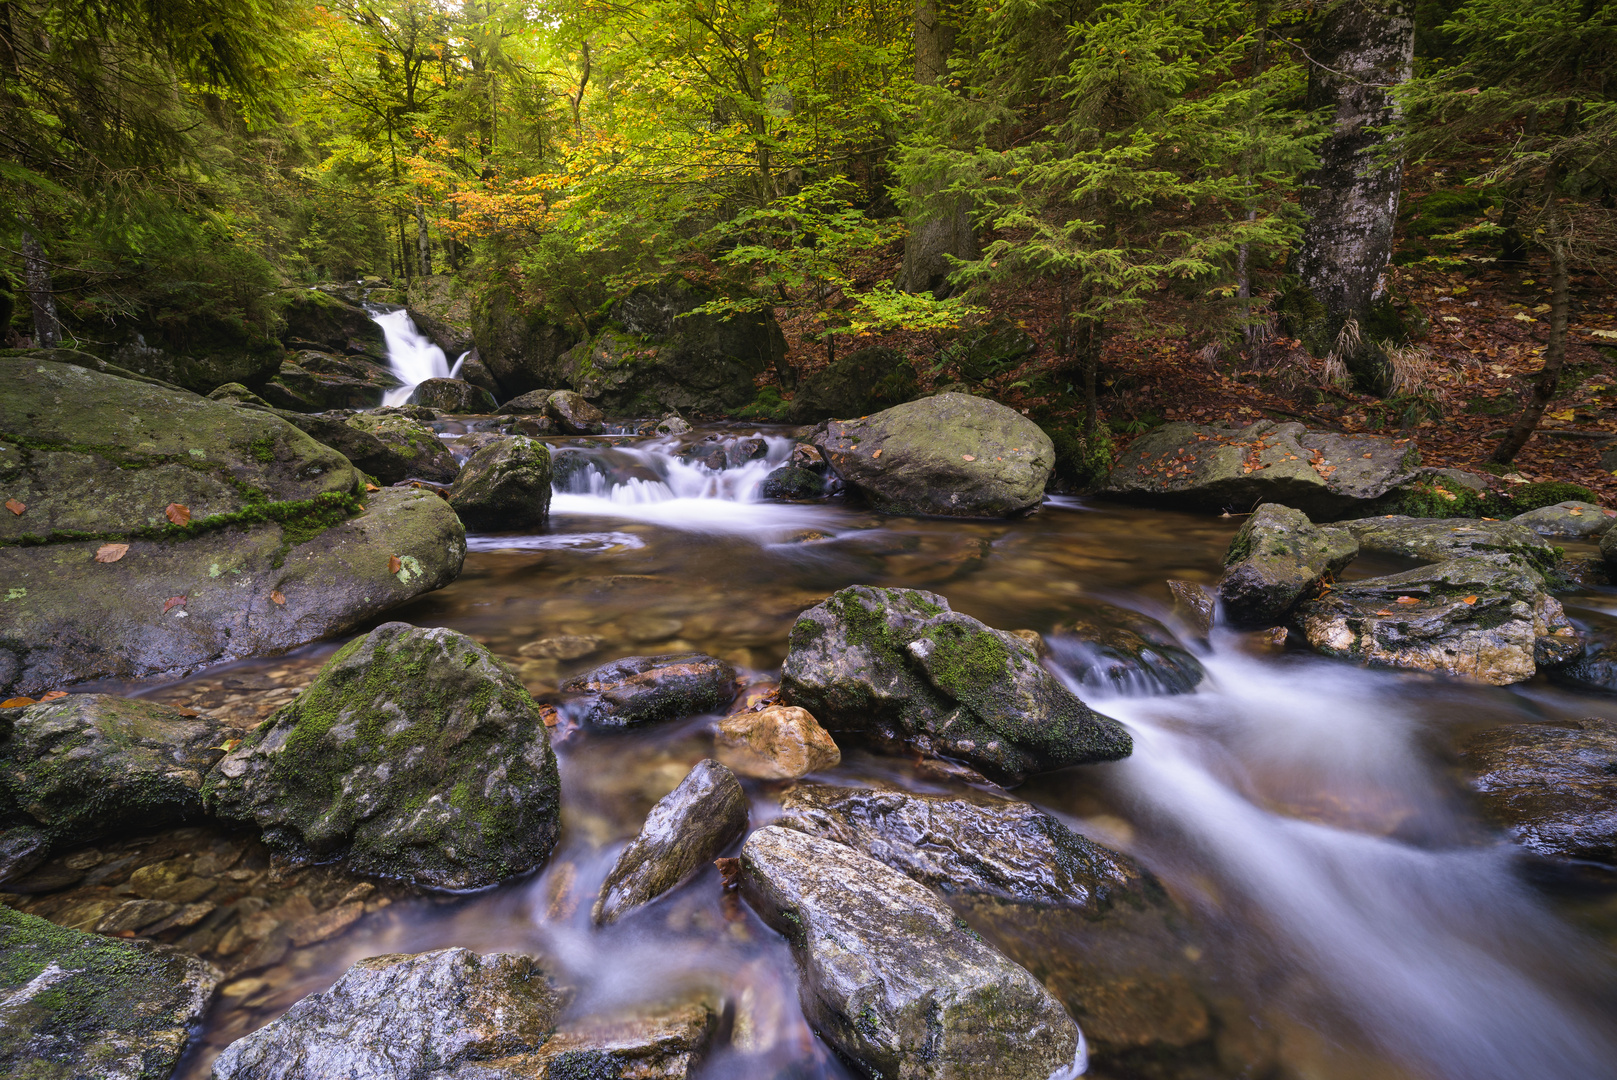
x,y
237,394
415,754
1277,559
672,424
1608,548
473,370
365,451
855,384
792,484
534,402
522,349
81,1005
573,414
891,979
313,381
1192,603
968,843
199,350
1572,519
779,742
1323,474
1121,651
414,448
329,322
641,689
1551,786
89,765
1436,539
657,1044
1596,669
452,396
505,484
22,849
950,454
685,831
898,668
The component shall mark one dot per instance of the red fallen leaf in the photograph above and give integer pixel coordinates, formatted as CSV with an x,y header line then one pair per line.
x,y
173,602
15,507
1468,599
393,564
52,695
729,872
1407,600
17,703
179,515
110,553
277,598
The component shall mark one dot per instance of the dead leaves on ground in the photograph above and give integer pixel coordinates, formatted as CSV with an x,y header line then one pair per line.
x,y
177,514
278,598
15,507
111,553
173,602
394,565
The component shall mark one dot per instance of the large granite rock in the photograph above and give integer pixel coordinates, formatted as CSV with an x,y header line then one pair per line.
x,y
415,754
520,347
505,484
1278,558
1121,651
1323,474
218,532
1573,519
573,414
365,451
683,833
1551,786
898,668
415,449
641,689
855,384
1436,539
81,1005
778,742
452,396
320,318
891,979
950,454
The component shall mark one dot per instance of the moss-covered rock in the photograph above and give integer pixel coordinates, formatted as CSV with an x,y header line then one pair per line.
x,y
415,754
80,1005
237,394
452,396
642,689
365,451
792,484
573,414
300,389
896,667
1608,548
855,384
1572,519
505,484
201,350
1437,539
534,402
521,348
889,976
316,317
417,451
1278,558
950,454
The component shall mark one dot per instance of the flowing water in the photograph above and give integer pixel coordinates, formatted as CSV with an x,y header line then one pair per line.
x,y
410,354
1338,910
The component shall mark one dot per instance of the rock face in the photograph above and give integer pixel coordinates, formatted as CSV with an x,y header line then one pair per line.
x,y
641,689
81,1005
202,512
533,402
775,743
993,847
1323,474
573,414
950,454
1124,651
1574,520
87,765
365,451
1278,558
1551,786
683,833
415,754
199,350
897,667
888,976
415,450
330,323
522,350
452,396
504,485
1436,539
855,384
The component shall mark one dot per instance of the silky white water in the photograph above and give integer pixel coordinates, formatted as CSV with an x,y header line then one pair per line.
x,y
411,355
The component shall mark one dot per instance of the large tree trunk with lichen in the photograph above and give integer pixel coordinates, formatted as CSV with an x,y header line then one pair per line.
x,y
939,223
1360,52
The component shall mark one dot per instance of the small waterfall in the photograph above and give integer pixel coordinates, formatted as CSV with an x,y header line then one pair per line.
x,y
411,355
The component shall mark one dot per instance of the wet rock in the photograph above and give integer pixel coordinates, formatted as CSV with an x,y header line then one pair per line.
x,y
673,424
1573,519
573,414
237,394
452,396
416,450
226,593
1321,473
1193,603
640,689
474,371
890,978
22,848
519,346
790,483
562,647
1608,548
1551,786
1278,558
1596,669
807,456
325,320
968,844
1115,649
534,402
950,454
415,754
400,1017
664,1044
897,667
855,384
684,832
778,742
504,485
88,765
302,386
80,1005
1477,617
1437,539
365,451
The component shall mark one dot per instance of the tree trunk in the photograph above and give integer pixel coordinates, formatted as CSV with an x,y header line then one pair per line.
x,y
1549,375
1363,49
423,239
37,280
939,223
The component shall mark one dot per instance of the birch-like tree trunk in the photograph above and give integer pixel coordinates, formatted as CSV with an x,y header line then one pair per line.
x,y
939,223
37,280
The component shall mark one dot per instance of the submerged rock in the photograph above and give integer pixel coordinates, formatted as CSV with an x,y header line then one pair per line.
x,y
1573,519
950,454
81,1005
452,396
779,742
1278,558
415,754
1321,473
505,484
792,484
416,450
897,667
684,832
1115,649
890,978
1551,786
573,414
640,689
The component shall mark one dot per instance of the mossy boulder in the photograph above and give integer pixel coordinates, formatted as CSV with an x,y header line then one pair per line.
x,y
1436,539
452,396
1277,559
642,689
237,394
897,668
534,402
415,754
891,978
1121,651
855,384
521,348
302,389
505,484
365,451
791,484
950,454
573,414
82,1005
328,322
89,765
416,450
201,350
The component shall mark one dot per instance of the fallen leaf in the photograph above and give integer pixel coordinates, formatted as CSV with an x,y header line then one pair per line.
x,y
1407,600
277,598
876,455
15,507
729,872
393,564
967,457
372,487
17,703
227,746
173,602
549,715
108,553
185,710
1468,599
1575,512
1367,455
179,515
1386,613
52,695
